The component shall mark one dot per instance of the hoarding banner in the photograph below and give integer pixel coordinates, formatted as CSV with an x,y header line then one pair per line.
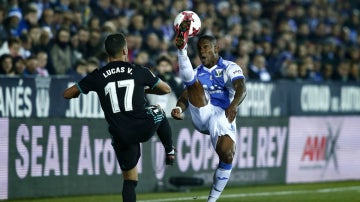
x,y
42,98
59,157
324,99
260,154
323,149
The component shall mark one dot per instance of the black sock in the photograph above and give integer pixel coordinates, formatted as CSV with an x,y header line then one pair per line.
x,y
128,192
165,135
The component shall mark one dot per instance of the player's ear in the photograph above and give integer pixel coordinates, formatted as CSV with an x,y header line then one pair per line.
x,y
125,51
216,49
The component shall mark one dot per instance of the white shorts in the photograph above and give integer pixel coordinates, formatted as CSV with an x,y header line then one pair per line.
x,y
211,120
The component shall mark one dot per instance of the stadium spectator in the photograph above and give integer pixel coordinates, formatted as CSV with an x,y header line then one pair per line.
x,y
84,8
32,67
84,37
6,62
11,23
122,23
43,63
327,71
79,70
26,45
29,20
47,19
154,27
274,29
94,44
44,41
258,70
93,63
142,58
342,71
152,44
137,26
102,9
19,65
304,71
165,71
61,53
68,21
74,44
12,46
94,23
354,74
134,45
291,71
243,61
3,32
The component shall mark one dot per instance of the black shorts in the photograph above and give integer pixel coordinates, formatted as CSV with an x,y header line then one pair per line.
x,y
127,145
127,154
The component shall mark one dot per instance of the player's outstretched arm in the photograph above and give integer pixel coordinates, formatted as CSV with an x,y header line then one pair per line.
x,y
240,94
71,92
161,88
181,106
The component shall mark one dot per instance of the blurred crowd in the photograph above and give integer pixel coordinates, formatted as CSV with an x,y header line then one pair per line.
x,y
302,40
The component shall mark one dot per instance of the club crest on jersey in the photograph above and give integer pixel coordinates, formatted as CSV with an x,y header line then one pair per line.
x,y
218,72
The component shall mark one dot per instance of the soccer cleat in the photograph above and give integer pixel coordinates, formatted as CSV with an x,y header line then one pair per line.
x,y
182,34
170,157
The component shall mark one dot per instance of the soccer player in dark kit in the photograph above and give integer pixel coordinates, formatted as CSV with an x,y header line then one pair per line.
x,y
121,88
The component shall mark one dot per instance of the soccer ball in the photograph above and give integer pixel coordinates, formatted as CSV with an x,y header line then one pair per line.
x,y
195,25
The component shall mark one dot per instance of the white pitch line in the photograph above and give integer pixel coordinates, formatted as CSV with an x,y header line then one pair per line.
x,y
325,190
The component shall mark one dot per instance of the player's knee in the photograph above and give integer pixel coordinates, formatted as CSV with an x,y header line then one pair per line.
x,y
226,156
131,174
225,149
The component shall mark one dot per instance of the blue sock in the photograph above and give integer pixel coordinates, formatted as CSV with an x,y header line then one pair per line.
x,y
221,177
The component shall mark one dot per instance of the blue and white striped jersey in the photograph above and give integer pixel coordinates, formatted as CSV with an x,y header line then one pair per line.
x,y
217,81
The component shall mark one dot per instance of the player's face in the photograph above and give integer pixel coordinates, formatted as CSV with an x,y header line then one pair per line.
x,y
207,53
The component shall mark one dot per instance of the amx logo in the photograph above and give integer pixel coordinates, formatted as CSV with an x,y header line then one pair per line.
x,y
322,148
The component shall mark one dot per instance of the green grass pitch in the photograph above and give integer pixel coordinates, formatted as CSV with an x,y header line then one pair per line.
x,y
347,191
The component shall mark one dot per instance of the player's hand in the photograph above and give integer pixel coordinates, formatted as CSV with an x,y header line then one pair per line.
x,y
230,113
177,114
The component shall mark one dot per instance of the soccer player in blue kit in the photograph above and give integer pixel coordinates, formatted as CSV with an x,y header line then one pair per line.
x,y
120,87
213,92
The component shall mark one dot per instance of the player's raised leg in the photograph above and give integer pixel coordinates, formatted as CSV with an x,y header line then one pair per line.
x,y
195,90
164,132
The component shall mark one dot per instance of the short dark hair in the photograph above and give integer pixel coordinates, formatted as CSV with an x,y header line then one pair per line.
x,y
13,40
210,38
4,56
80,62
165,58
114,44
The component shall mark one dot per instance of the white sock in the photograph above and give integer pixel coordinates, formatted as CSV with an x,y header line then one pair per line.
x,y
185,68
221,177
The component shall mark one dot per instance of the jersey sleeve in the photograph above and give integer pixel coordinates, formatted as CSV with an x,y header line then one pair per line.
x,y
235,72
87,84
150,79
